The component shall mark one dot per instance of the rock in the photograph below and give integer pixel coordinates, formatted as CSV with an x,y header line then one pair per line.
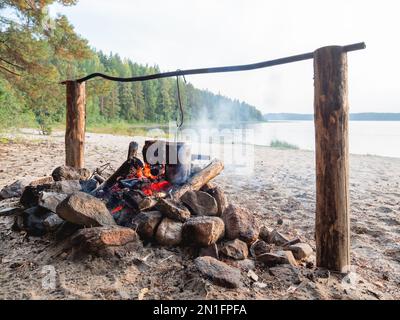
x,y
301,250
65,230
146,223
50,200
69,173
218,194
16,189
252,275
66,186
31,193
235,249
240,223
210,251
173,210
280,257
258,248
244,265
277,238
104,241
169,232
84,209
265,233
200,203
286,273
13,190
218,272
52,222
202,230
33,221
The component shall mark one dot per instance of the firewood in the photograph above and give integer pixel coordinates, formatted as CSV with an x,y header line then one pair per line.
x,y
199,179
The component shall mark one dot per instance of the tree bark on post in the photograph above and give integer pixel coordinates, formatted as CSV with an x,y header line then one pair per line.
x,y
331,115
75,126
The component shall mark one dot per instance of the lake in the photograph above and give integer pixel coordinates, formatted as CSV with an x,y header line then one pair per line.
x,y
365,137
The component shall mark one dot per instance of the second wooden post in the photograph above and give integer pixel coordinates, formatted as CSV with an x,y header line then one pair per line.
x,y
331,111
75,124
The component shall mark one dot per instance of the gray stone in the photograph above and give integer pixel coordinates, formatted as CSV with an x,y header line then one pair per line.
x,y
277,238
13,190
201,203
259,247
50,200
240,224
244,265
33,221
70,173
235,249
265,233
169,232
203,230
146,223
218,272
301,250
173,210
52,222
280,257
84,209
218,194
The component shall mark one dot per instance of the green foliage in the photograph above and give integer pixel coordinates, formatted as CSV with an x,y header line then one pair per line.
x,y
282,145
37,52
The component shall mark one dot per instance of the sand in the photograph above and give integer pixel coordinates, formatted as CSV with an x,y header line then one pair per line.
x,y
281,187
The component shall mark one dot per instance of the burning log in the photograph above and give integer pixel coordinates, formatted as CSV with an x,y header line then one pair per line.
x,y
199,179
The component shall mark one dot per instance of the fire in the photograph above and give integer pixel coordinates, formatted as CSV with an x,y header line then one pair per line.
x,y
116,209
156,187
147,172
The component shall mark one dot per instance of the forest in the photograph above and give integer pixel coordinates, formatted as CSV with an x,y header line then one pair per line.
x,y
37,52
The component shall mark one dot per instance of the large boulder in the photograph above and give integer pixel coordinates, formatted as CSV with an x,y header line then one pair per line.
x,y
169,232
218,272
203,230
240,224
146,223
83,209
200,203
173,210
104,241
235,249
70,173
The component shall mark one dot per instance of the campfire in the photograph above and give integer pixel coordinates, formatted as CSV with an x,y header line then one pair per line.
x,y
159,197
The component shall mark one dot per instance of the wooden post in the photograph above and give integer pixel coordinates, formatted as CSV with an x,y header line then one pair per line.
x,y
75,126
332,226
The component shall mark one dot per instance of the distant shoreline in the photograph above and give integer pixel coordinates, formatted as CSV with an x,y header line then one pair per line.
x,y
363,116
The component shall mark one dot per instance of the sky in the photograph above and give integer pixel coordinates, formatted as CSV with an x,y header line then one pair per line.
x,y
182,34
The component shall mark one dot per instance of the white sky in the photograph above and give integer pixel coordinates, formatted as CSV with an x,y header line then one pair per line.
x,y
179,34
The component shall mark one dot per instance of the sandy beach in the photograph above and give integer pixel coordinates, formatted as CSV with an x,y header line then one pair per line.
x,y
282,186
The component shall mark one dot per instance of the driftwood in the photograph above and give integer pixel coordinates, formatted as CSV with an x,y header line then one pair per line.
x,y
199,179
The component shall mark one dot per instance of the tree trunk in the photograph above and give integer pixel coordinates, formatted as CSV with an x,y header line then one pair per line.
x,y
75,126
332,163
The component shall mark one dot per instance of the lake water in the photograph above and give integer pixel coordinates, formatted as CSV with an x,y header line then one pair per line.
x,y
365,137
